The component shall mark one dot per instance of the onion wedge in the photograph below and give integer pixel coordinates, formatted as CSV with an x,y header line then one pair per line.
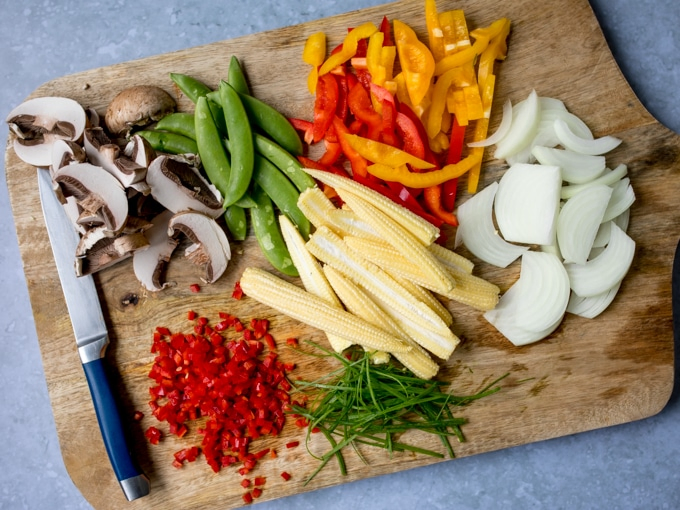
x,y
605,270
576,168
622,198
478,233
573,142
501,132
591,307
527,202
579,221
523,129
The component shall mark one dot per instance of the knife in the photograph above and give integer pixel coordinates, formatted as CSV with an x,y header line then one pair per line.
x,y
91,336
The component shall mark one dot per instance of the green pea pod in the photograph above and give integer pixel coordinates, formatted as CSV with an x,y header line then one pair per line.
x,y
170,143
180,123
236,76
208,140
282,192
190,87
235,217
241,137
245,202
268,233
284,161
272,122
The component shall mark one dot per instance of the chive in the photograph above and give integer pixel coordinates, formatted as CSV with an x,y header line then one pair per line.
x,y
363,403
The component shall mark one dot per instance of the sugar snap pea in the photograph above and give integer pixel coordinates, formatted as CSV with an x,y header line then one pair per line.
x,y
268,233
272,122
208,140
170,143
282,192
236,76
181,123
190,86
241,136
283,160
235,217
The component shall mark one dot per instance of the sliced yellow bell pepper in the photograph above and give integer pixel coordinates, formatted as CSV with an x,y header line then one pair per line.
x,y
382,153
454,30
374,60
314,54
417,62
434,30
349,47
404,176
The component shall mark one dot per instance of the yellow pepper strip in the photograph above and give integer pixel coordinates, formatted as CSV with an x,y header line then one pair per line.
x,y
473,101
454,30
313,54
497,50
387,57
479,133
404,176
417,62
378,152
434,30
482,38
349,47
373,58
439,93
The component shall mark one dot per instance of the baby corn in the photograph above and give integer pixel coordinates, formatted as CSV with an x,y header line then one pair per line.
x,y
305,307
311,274
419,227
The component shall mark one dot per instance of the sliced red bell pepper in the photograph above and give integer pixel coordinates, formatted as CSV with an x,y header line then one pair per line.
x,y
389,114
343,90
433,200
411,140
387,31
422,133
333,152
360,105
450,188
305,127
358,162
325,105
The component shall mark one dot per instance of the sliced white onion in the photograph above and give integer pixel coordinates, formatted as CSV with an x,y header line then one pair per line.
x,y
503,316
523,128
551,103
576,168
478,233
527,202
591,307
622,198
603,233
501,132
576,143
573,122
607,269
608,177
545,291
579,221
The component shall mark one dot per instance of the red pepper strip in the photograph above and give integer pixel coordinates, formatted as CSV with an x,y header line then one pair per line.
x,y
385,29
362,108
389,114
406,110
358,162
343,90
411,205
454,155
382,93
433,200
325,105
412,143
305,127
333,151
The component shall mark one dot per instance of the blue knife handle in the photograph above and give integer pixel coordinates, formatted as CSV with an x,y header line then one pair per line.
x,y
134,483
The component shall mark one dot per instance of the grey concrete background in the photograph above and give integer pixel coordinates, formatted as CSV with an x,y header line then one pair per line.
x,y
636,465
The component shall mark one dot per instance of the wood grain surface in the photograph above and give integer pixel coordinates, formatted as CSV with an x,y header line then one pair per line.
x,y
588,374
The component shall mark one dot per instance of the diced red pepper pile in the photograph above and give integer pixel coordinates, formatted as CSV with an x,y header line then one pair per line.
x,y
242,390
347,101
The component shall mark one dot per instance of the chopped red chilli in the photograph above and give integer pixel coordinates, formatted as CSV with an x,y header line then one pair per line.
x,y
153,435
237,293
285,475
195,287
232,381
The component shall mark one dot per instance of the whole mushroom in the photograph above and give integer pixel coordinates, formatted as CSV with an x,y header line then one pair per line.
x,y
139,105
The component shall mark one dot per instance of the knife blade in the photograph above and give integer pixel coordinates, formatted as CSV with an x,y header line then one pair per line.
x,y
91,337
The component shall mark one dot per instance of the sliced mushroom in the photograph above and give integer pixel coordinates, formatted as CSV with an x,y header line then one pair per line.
x,y
178,186
137,106
65,152
102,152
150,264
98,250
210,247
38,122
96,192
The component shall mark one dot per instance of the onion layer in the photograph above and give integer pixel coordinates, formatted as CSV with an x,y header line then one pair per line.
x,y
503,128
478,233
523,128
576,168
576,143
591,307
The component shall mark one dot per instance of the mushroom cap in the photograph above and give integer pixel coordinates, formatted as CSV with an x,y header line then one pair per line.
x,y
149,264
101,152
87,182
98,250
210,247
38,122
137,106
178,186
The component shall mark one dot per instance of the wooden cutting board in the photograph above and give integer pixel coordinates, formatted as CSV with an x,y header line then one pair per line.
x,y
586,375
